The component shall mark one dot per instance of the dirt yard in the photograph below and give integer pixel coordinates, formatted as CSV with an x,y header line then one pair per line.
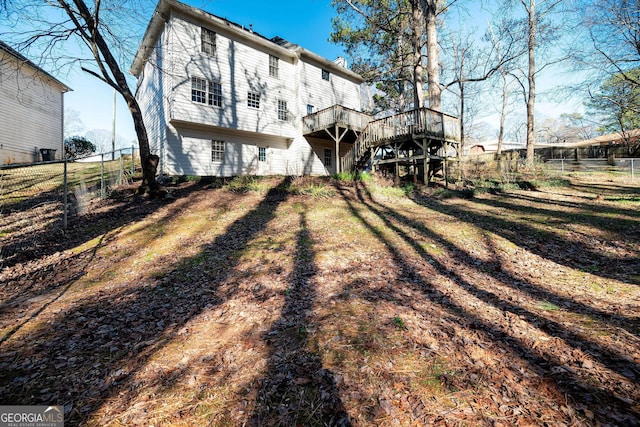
x,y
281,302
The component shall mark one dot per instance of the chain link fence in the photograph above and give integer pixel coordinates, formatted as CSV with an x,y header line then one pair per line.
x,y
507,166
62,188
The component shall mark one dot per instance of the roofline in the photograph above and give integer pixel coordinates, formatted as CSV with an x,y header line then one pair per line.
x,y
21,58
330,65
162,13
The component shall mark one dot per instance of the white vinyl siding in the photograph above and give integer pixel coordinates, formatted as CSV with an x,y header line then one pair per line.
x,y
153,104
184,130
322,94
190,153
240,69
31,107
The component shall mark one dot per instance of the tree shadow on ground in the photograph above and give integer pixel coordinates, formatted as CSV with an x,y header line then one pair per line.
x,y
573,388
84,356
297,390
39,273
550,242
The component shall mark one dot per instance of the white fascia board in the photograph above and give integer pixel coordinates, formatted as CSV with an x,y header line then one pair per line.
x,y
162,14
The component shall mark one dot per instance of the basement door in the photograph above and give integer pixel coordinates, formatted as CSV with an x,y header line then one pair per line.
x,y
264,161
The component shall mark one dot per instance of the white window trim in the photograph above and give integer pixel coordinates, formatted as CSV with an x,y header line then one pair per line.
x,y
215,149
204,42
208,93
253,98
274,66
284,111
262,148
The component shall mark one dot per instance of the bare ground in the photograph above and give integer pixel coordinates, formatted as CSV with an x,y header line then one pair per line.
x,y
363,307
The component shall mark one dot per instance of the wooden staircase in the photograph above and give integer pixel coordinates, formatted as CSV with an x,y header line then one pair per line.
x,y
423,133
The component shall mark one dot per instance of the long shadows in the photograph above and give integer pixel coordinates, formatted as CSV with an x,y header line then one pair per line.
x,y
36,271
297,390
580,391
86,354
550,244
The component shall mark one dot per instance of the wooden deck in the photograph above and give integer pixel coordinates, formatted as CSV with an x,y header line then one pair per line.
x,y
426,131
337,115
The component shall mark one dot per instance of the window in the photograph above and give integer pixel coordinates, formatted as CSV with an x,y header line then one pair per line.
x,y
199,90
282,110
262,154
273,66
217,151
309,109
327,157
215,94
253,100
207,92
207,41
325,75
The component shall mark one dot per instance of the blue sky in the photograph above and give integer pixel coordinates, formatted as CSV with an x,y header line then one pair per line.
x,y
304,22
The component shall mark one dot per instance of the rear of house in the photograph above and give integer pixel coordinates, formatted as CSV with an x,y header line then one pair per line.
x,y
221,100
32,110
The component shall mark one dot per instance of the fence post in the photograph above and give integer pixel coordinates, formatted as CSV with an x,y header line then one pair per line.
x,y
120,169
133,169
64,197
102,189
562,164
633,176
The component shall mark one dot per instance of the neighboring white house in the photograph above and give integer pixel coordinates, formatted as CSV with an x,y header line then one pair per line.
x,y
32,110
220,100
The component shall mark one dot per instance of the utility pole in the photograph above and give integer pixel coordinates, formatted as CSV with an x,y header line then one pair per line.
x,y
113,128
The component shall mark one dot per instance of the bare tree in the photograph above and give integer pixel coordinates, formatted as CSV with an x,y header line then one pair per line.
x,y
614,35
64,21
543,27
473,62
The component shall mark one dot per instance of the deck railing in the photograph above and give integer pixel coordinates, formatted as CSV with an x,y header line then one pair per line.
x,y
422,121
342,116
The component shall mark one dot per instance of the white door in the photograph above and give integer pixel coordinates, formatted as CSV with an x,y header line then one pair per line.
x,y
264,167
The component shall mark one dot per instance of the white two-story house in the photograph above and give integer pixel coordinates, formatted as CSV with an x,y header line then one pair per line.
x,y
32,110
222,100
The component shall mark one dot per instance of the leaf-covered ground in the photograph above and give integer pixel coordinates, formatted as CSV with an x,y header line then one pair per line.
x,y
328,303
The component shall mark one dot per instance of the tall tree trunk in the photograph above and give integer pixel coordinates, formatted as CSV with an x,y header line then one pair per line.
x,y
531,99
503,113
461,85
433,69
101,52
418,68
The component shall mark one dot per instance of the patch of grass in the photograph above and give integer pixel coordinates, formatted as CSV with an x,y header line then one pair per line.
x,y
399,323
547,306
246,183
313,187
631,199
352,176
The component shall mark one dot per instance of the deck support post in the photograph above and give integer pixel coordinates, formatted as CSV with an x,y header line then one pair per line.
x,y
425,162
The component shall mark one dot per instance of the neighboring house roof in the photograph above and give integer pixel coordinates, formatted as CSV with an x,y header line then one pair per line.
x,y
612,138
276,44
21,58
